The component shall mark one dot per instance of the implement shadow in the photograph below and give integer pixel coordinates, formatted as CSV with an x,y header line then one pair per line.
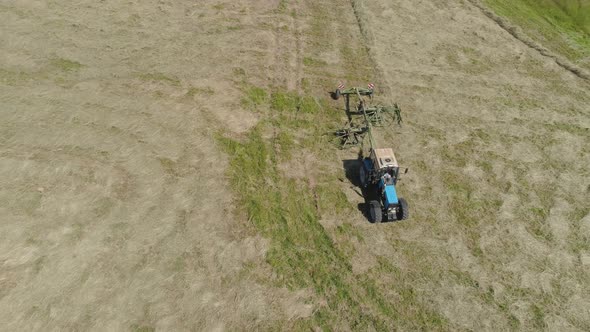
x,y
349,112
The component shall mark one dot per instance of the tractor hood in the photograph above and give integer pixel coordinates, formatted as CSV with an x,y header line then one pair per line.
x,y
390,196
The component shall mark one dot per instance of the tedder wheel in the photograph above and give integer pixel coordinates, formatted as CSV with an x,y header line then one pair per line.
x,y
336,94
375,215
363,176
403,213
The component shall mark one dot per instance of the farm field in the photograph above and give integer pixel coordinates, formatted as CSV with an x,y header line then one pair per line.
x,y
169,165
561,25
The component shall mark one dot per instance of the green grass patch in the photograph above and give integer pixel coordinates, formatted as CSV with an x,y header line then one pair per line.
x,y
312,62
305,255
286,144
281,101
168,165
569,128
563,25
578,240
284,101
331,198
538,317
349,230
537,224
66,65
283,5
193,91
254,97
160,77
302,253
288,211
16,77
142,328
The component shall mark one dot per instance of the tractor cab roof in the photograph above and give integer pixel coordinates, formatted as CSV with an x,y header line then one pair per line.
x,y
384,158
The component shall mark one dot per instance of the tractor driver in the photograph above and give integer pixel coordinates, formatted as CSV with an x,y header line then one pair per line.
x,y
387,179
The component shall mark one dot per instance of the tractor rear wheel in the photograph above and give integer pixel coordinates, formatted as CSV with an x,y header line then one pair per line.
x,y
375,214
363,175
403,213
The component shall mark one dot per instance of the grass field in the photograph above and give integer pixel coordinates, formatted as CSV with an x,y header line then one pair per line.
x,y
563,25
316,243
170,165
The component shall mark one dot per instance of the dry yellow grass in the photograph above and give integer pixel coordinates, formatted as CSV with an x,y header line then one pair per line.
x,y
118,206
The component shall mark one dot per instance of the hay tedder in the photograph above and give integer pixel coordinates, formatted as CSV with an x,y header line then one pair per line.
x,y
379,171
364,115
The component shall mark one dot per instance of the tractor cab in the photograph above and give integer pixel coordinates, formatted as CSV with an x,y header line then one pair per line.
x,y
386,164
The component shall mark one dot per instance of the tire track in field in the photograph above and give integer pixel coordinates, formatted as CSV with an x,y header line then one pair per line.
x,y
288,58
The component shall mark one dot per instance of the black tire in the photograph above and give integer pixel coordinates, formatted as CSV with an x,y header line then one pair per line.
x,y
336,94
375,213
363,176
403,213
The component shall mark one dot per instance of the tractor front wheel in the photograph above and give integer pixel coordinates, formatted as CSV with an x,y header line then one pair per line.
x,y
375,213
403,213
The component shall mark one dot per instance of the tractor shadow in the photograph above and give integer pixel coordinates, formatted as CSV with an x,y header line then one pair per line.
x,y
351,169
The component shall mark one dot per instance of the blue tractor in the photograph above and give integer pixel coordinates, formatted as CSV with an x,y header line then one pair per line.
x,y
380,172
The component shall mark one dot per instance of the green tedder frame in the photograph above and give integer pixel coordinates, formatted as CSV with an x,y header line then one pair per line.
x,y
354,132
